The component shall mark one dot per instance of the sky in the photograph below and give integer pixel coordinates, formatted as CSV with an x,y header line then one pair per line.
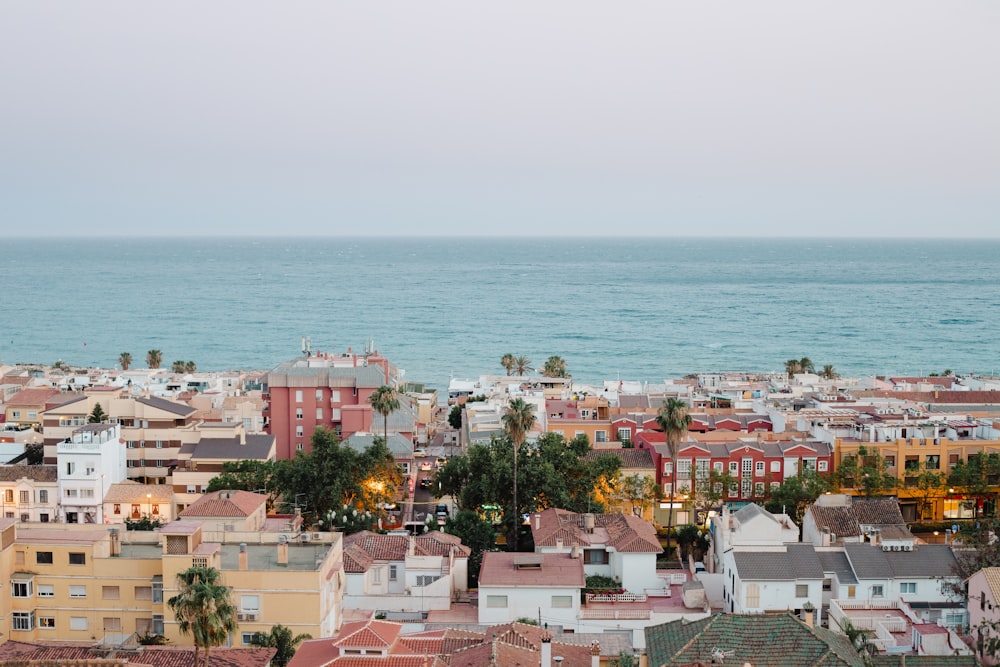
x,y
580,118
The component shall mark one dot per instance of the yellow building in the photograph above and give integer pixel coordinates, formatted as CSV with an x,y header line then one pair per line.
x,y
907,457
86,583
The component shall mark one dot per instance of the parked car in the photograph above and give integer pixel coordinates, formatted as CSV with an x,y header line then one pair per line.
x,y
441,461
419,452
426,466
426,482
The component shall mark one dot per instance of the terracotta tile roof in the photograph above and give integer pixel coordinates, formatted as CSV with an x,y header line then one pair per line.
x,y
367,634
31,397
992,577
225,504
876,511
629,457
129,491
557,570
37,473
380,546
749,639
436,543
624,533
356,559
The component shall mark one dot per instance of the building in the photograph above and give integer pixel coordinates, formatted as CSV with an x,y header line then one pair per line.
x,y
984,609
30,493
133,501
323,389
25,408
89,462
522,585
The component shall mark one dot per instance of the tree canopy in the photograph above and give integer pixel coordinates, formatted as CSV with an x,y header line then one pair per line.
x,y
796,493
866,471
555,367
281,639
204,609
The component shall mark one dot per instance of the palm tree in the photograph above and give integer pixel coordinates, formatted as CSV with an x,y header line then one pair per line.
x,y
674,419
204,608
806,364
384,400
154,358
829,372
507,361
522,365
125,360
177,367
555,367
190,367
517,421
280,638
792,366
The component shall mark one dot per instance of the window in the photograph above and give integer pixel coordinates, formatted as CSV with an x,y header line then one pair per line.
x,y
157,624
562,601
70,493
319,395
319,414
112,624
46,622
78,591
110,593
157,594
43,557
775,485
624,434
8,496
932,462
801,590
86,493
668,467
600,436
250,603
809,464
827,584
159,444
198,561
747,467
77,558
734,468
753,596
822,465
851,591
734,490
496,601
70,467
43,496
23,620
46,590
717,467
702,467
877,591
684,469
77,622
298,395
90,469
299,447
758,489
25,497
746,486
299,431
335,396
758,469
908,587
392,572
298,413
595,556
775,466
246,638
21,589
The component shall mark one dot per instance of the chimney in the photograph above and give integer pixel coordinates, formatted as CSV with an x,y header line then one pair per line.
x,y
547,649
595,654
243,556
411,547
282,553
116,542
243,436
575,553
538,521
559,545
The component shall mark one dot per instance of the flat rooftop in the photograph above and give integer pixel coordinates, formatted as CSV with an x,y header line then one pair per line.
x,y
302,557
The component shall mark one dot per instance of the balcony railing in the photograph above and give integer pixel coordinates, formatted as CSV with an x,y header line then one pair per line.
x,y
616,597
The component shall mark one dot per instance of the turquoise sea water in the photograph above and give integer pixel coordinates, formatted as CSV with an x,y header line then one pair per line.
x,y
639,309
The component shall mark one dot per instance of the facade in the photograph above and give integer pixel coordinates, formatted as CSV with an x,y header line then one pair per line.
x,y
984,609
25,408
521,585
89,462
325,390
404,573
133,501
30,493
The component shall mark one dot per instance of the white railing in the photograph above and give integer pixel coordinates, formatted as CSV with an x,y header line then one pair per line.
x,y
616,597
615,613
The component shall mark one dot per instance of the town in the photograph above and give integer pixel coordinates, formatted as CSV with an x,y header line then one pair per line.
x,y
334,514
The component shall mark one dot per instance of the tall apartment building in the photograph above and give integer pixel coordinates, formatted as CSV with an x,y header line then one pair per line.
x,y
323,389
89,462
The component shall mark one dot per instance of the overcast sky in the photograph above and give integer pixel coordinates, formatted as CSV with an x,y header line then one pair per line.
x,y
639,118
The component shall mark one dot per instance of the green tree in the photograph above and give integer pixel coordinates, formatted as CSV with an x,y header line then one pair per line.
x,y
190,367
384,401
555,367
204,609
97,415
926,484
807,366
475,533
321,480
455,417
976,547
978,477
796,493
177,367
281,639
638,492
154,358
866,471
829,372
517,422
674,419
125,360
711,491
508,362
248,475
522,365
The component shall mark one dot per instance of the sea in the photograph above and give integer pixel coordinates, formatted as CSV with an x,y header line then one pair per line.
x,y
642,309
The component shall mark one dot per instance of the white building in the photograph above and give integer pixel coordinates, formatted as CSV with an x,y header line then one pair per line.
x,y
523,585
29,493
89,462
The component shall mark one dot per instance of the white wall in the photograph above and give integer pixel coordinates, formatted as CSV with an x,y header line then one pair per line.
x,y
526,602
